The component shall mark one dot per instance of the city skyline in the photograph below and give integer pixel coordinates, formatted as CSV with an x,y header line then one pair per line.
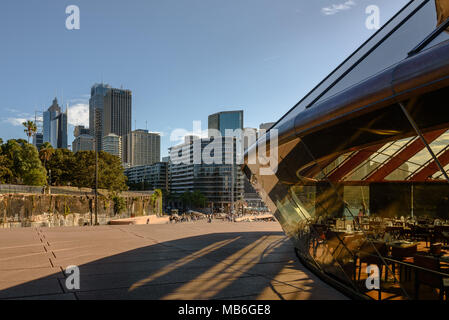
x,y
174,65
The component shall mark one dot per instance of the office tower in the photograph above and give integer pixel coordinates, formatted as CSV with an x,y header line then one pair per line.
x,y
226,120
109,112
79,130
38,139
112,144
55,126
83,142
142,147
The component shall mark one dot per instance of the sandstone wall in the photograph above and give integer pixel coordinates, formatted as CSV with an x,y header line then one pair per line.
x,y
28,210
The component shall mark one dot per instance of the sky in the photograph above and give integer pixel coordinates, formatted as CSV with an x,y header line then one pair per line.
x,y
182,59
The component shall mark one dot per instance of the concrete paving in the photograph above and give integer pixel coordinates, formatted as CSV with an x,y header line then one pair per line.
x,y
197,260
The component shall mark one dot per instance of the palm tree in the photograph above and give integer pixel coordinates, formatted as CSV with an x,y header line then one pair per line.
x,y
156,200
30,128
45,153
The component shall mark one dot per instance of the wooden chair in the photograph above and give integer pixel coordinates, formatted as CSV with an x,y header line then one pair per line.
x,y
368,253
403,254
429,278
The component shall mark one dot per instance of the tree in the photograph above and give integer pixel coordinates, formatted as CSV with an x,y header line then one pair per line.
x,y
22,161
45,153
186,199
30,128
62,164
110,171
156,200
198,199
195,199
6,175
119,203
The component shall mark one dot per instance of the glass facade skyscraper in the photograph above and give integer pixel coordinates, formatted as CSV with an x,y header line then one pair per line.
x,y
55,126
109,112
226,120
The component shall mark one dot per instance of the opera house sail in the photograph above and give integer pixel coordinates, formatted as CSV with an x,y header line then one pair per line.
x,y
362,183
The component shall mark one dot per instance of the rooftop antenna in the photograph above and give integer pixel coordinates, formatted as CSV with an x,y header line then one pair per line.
x,y
135,124
146,124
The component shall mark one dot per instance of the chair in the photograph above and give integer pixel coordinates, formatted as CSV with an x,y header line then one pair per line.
x,y
420,233
429,278
347,255
403,254
368,254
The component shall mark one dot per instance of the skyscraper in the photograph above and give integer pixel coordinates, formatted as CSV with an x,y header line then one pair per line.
x,y
55,126
109,112
142,147
112,144
225,120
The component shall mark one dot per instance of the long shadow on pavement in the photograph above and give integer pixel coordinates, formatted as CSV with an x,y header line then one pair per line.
x,y
246,265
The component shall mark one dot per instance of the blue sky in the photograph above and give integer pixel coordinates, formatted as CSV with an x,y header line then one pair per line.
x,y
183,59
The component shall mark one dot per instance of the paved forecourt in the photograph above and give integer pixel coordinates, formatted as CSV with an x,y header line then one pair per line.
x,y
198,260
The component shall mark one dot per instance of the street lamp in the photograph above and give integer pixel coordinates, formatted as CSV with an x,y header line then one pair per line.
x,y
96,168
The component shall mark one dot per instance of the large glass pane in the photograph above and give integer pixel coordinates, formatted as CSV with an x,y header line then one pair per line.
x,y
394,49
382,58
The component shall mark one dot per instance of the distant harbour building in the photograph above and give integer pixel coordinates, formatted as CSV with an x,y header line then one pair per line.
x,y
112,144
83,142
142,148
156,175
109,112
55,126
266,125
79,130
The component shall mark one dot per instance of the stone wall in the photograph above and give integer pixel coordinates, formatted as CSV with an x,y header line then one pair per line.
x,y
48,210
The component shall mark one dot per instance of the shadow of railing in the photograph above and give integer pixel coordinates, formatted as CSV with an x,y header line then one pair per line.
x,y
246,265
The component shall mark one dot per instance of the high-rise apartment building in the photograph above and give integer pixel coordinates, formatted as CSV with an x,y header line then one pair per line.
x,y
142,148
187,173
109,112
154,174
55,126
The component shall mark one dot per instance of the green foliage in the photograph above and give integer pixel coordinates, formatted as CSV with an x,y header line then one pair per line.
x,y
110,171
119,203
6,175
196,199
30,128
60,165
20,164
46,151
140,186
